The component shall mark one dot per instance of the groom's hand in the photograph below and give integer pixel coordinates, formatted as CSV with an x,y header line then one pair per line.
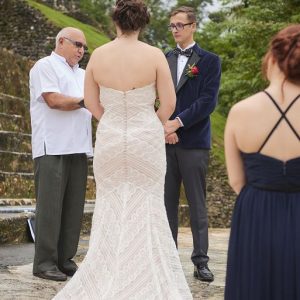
x,y
171,126
172,138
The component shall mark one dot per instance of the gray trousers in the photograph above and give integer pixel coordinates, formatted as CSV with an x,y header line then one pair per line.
x,y
190,167
60,186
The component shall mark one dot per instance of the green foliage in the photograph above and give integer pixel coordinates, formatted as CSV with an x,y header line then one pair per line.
x,y
99,11
93,36
156,33
240,34
198,5
218,124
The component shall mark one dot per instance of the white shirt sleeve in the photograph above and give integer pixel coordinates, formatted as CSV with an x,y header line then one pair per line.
x,y
43,80
180,121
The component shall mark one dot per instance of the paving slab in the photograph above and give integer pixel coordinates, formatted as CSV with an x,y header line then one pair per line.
x,y
18,283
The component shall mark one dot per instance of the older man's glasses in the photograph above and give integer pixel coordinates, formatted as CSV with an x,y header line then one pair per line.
x,y
77,44
178,26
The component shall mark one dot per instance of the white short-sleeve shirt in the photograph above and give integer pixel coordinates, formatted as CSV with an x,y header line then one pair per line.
x,y
57,132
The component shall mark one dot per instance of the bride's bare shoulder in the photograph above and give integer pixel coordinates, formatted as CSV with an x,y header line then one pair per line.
x,y
99,52
149,47
153,52
103,48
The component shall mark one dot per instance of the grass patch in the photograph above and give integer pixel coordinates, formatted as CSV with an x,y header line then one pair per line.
x,y
93,36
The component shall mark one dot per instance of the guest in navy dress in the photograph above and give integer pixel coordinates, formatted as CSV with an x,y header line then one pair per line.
x,y
262,147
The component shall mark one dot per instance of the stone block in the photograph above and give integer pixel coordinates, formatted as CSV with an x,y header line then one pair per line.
x,y
15,123
15,141
16,162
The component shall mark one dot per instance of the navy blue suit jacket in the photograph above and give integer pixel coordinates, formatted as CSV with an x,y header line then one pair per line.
x,y
196,97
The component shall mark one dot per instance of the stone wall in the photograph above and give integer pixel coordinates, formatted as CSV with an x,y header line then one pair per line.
x,y
25,30
220,196
14,73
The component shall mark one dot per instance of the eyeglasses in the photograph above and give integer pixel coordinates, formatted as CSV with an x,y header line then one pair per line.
x,y
178,26
77,44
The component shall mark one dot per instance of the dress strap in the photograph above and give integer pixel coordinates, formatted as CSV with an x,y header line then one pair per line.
x,y
283,116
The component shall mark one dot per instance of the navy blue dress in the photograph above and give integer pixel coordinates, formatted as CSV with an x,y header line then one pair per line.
x,y
264,246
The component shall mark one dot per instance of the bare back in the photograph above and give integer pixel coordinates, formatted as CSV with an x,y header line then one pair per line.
x,y
260,127
125,64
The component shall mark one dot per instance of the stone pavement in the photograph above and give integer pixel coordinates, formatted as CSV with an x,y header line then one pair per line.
x,y
17,282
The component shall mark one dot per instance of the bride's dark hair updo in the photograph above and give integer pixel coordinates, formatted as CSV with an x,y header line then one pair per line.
x,y
130,15
285,49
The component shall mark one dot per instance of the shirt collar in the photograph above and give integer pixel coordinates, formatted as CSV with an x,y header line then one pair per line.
x,y
189,46
62,59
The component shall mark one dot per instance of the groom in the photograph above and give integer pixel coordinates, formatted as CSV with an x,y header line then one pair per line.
x,y
196,75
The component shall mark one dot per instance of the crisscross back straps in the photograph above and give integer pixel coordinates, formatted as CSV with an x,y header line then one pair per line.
x,y
283,116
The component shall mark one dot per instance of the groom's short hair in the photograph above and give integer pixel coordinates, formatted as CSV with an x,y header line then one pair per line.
x,y
189,11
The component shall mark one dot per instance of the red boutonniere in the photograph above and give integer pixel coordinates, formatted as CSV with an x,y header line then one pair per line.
x,y
192,71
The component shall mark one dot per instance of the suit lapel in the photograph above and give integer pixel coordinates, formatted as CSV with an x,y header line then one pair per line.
x,y
172,60
192,60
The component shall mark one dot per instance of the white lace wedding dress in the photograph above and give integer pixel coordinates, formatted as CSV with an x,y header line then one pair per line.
x,y
131,253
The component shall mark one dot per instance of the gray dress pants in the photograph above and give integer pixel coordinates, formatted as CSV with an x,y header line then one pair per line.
x,y
190,167
60,186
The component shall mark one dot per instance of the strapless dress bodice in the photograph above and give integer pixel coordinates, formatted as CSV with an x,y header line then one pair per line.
x,y
129,111
132,99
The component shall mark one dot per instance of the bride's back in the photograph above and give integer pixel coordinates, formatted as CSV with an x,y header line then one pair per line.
x,y
125,63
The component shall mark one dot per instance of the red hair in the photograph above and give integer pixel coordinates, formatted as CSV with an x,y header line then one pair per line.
x,y
285,49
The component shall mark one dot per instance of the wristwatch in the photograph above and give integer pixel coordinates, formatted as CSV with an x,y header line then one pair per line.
x,y
81,103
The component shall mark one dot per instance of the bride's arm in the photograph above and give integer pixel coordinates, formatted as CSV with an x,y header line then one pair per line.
x,y
91,92
165,88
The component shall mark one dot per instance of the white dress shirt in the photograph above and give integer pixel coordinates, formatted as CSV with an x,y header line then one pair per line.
x,y
181,63
57,132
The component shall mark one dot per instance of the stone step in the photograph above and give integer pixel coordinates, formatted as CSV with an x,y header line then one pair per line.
x,y
17,202
15,141
14,106
15,123
21,185
24,202
18,185
16,162
14,227
22,162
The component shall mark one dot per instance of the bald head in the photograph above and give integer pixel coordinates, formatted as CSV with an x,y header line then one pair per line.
x,y
67,32
70,43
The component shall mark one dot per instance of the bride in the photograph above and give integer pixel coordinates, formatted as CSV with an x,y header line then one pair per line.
x,y
131,254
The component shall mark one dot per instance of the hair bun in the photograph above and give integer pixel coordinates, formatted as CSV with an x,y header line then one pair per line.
x,y
131,15
128,3
285,48
123,4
